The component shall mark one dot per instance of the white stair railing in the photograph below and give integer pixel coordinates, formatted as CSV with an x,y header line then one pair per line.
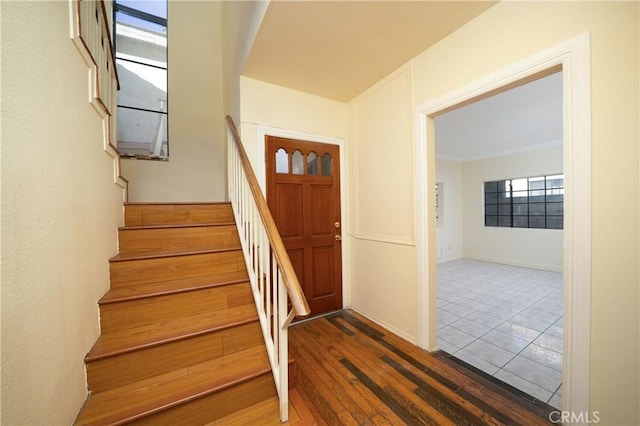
x,y
273,280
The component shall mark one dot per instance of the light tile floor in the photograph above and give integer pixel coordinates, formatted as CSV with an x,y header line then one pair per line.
x,y
506,321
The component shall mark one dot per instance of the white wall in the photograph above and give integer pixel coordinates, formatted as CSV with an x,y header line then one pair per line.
x,y
449,232
503,35
265,104
196,170
381,168
531,248
512,31
60,214
383,277
462,232
380,232
240,23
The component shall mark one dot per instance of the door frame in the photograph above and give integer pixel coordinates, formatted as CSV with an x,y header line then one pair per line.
x,y
573,57
264,131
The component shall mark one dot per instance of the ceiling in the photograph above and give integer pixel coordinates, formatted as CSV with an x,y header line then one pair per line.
x,y
338,49
522,119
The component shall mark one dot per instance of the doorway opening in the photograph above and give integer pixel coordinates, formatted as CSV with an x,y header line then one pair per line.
x,y
499,225
573,58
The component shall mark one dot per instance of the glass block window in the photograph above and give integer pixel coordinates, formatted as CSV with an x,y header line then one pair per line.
x,y
535,202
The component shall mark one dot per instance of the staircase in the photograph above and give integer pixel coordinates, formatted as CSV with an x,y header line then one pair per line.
x,y
181,342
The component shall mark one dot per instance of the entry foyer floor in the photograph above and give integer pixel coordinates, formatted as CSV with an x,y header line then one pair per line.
x,y
354,372
505,321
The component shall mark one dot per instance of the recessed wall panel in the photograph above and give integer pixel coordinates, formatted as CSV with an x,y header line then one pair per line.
x,y
385,163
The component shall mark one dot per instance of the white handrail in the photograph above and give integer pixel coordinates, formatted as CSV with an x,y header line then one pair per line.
x,y
273,281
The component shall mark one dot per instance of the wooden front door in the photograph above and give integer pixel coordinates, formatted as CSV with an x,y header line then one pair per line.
x,y
303,194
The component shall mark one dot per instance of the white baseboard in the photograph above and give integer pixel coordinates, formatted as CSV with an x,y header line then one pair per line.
x,y
386,326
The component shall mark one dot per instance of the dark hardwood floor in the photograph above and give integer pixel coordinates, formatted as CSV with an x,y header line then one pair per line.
x,y
356,372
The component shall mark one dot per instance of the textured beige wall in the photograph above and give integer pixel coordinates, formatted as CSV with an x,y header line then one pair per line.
x,y
512,31
60,213
196,170
529,248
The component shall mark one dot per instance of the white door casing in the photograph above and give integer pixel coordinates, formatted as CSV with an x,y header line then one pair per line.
x,y
574,58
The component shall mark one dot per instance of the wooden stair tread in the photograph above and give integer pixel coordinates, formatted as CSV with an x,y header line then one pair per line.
x,y
186,339
267,413
121,294
178,204
172,239
127,340
136,400
169,253
169,226
143,214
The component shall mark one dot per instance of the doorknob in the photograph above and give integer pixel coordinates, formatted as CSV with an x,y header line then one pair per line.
x,y
338,237
337,224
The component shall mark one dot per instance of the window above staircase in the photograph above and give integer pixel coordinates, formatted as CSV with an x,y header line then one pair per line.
x,y
141,59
